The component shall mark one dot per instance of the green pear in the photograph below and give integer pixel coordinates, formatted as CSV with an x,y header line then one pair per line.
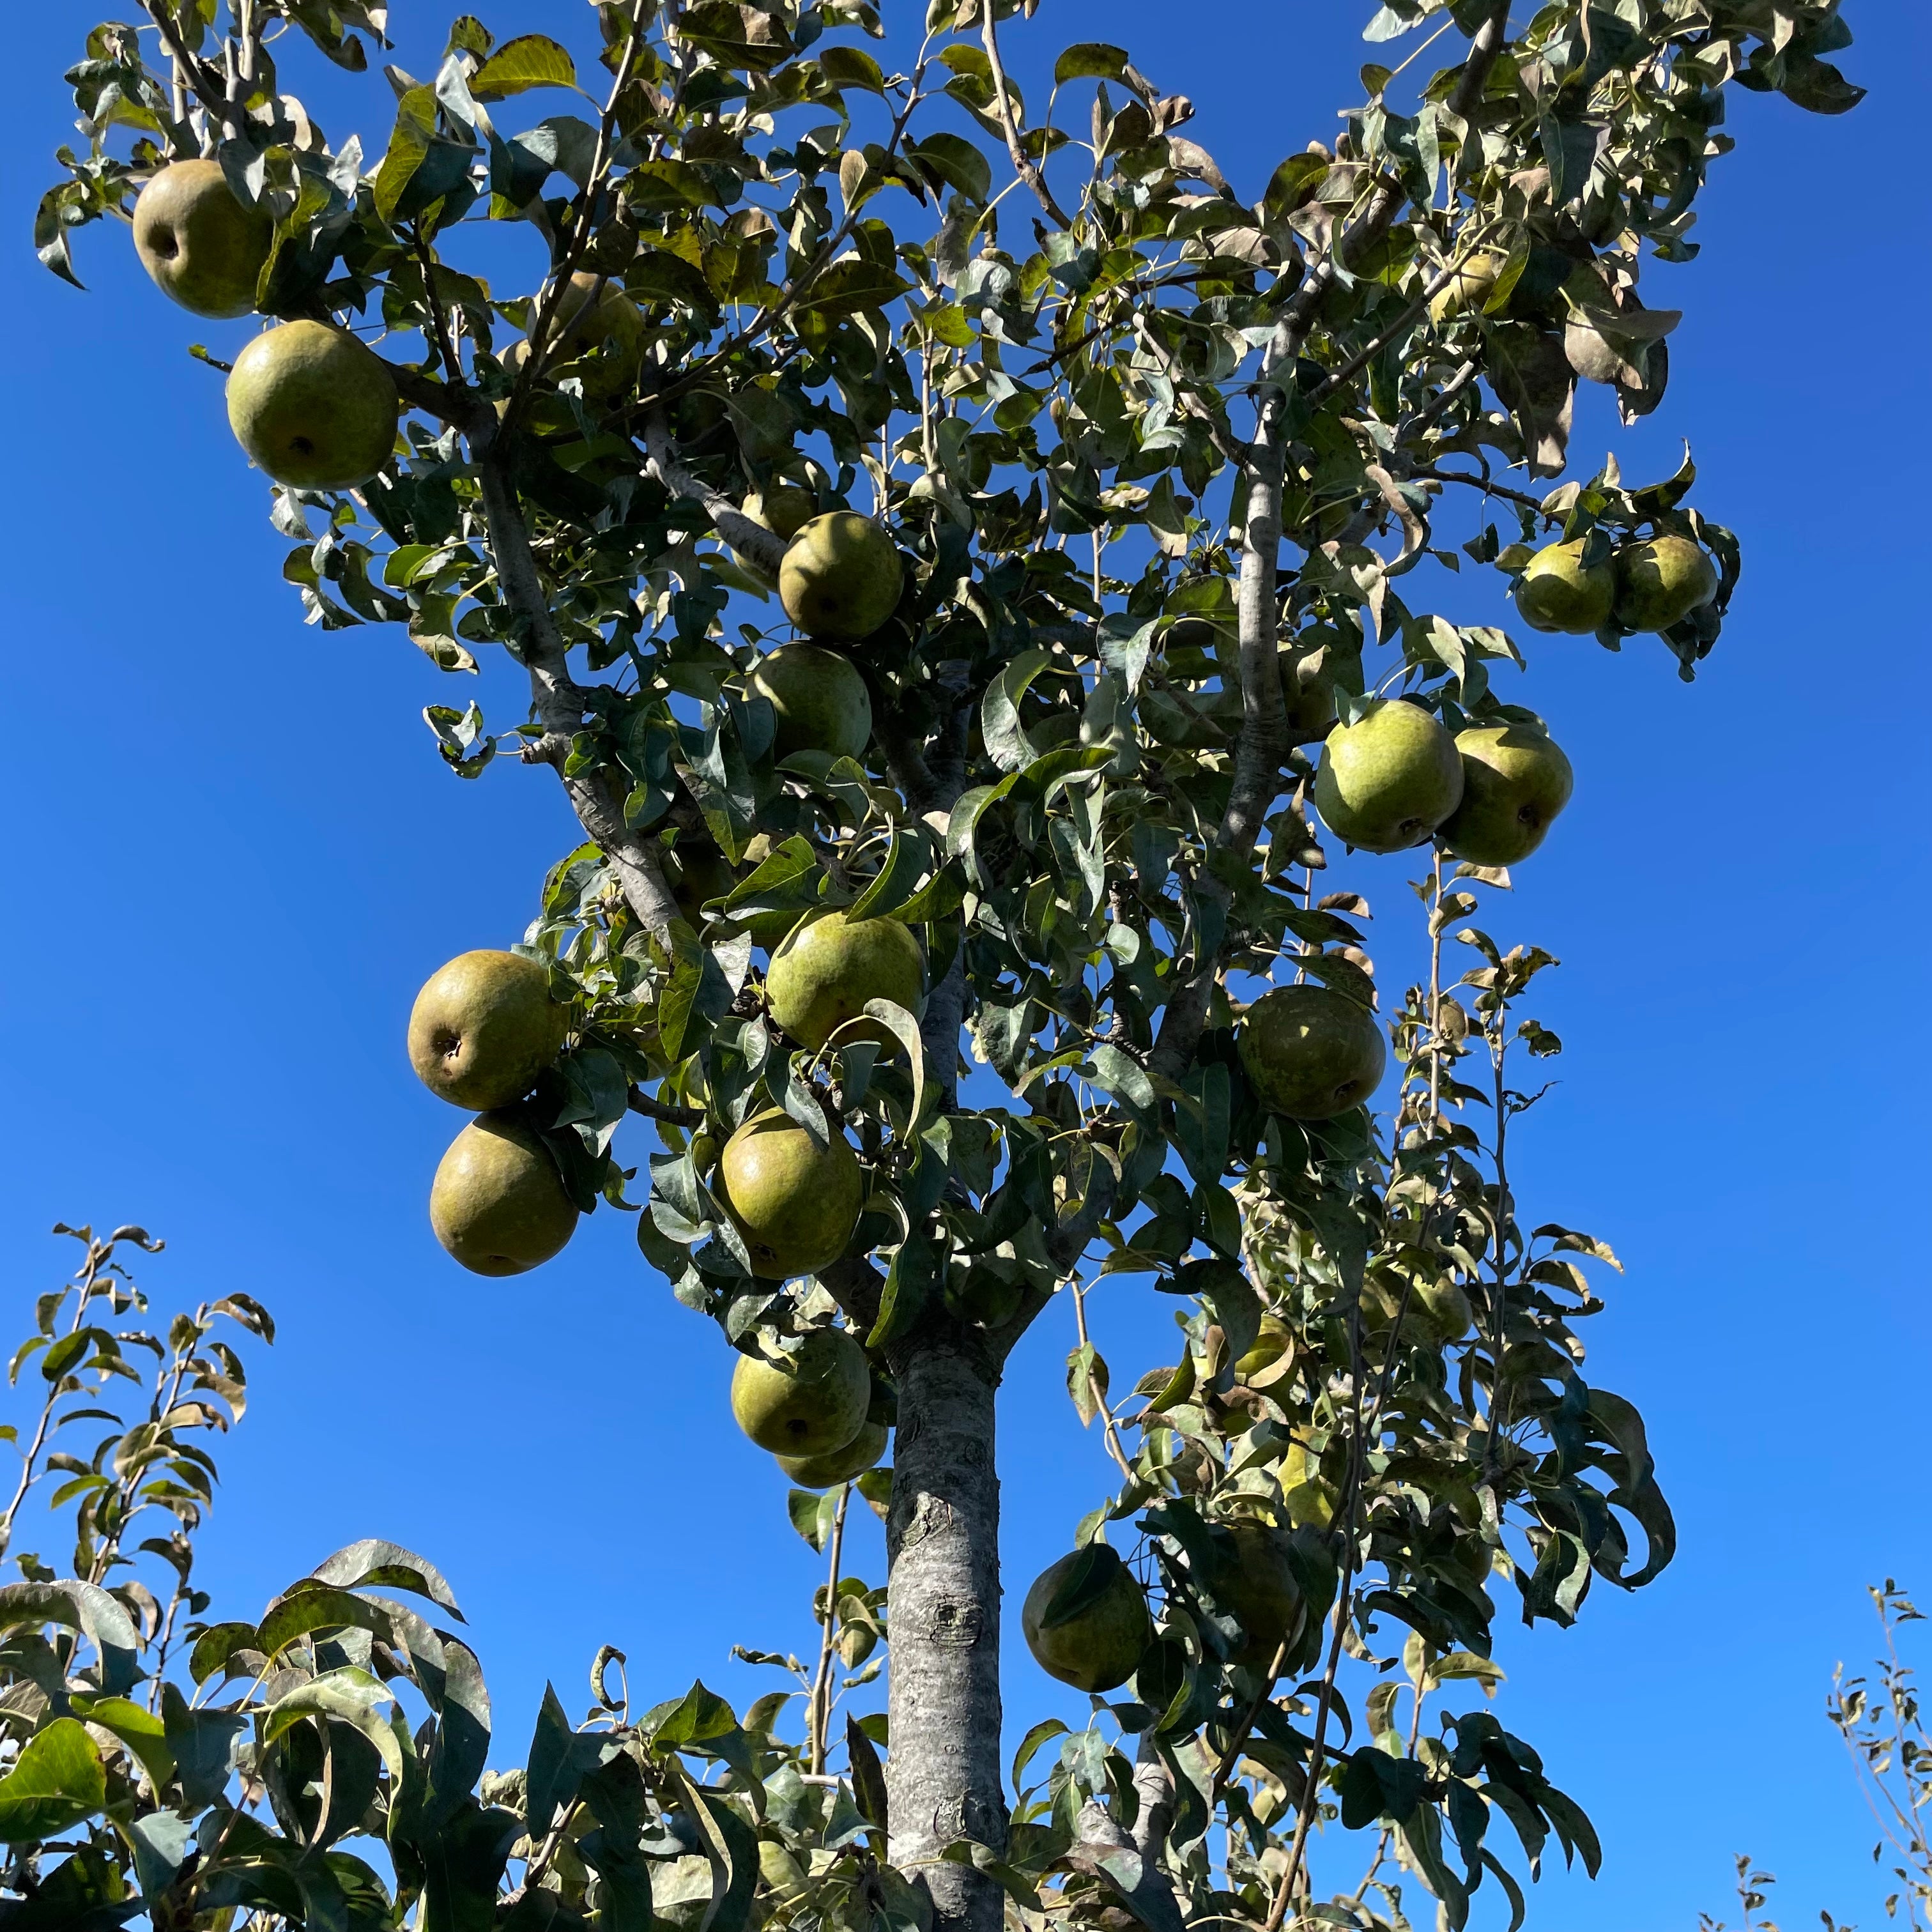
x,y
1388,781
1313,669
498,1203
795,1203
1469,287
701,872
202,246
820,699
1515,781
784,508
1661,583
1097,1646
1257,1586
483,1027
842,577
1310,1052
826,970
315,408
828,1469
597,337
1557,593
809,1403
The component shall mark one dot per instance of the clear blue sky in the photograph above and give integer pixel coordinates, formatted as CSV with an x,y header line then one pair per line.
x,y
232,856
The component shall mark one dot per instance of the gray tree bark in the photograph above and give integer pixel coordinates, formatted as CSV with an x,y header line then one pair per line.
x,y
942,1546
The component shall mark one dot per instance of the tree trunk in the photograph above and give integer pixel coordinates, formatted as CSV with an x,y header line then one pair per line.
x,y
942,1546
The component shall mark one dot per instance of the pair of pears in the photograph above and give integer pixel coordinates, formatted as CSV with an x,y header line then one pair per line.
x,y
811,1406
1640,587
840,580
1395,777
313,408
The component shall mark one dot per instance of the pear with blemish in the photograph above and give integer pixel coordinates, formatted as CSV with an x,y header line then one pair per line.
x,y
597,336
809,1401
1310,1052
827,971
1086,1621
831,1467
794,1202
842,577
1661,583
483,1027
498,1203
818,699
1558,591
1388,781
204,248
313,408
1515,781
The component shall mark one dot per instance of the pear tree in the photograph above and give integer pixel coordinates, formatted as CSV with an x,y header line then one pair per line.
x,y
993,591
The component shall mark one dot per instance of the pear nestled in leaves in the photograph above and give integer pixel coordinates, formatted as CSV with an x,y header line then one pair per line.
x,y
1310,1052
825,973
809,1402
819,699
1558,591
597,337
483,1027
784,508
842,577
498,1203
1515,781
203,248
1388,781
1661,583
313,408
1256,1585
1086,1621
795,1202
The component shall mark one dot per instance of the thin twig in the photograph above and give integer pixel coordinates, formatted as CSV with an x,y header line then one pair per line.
x,y
819,1715
1028,170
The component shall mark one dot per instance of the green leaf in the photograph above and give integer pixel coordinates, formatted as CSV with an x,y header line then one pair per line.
x,y
1006,744
1047,1728
374,1564
904,1028
56,1781
811,1512
304,1610
892,886
65,1353
531,60
852,67
350,1695
140,1729
910,1277
85,1607
1091,1574
955,161
849,286
409,142
1090,60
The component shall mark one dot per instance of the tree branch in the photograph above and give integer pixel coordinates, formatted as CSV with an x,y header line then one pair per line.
x,y
557,699
641,1102
1028,170
1263,745
766,548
